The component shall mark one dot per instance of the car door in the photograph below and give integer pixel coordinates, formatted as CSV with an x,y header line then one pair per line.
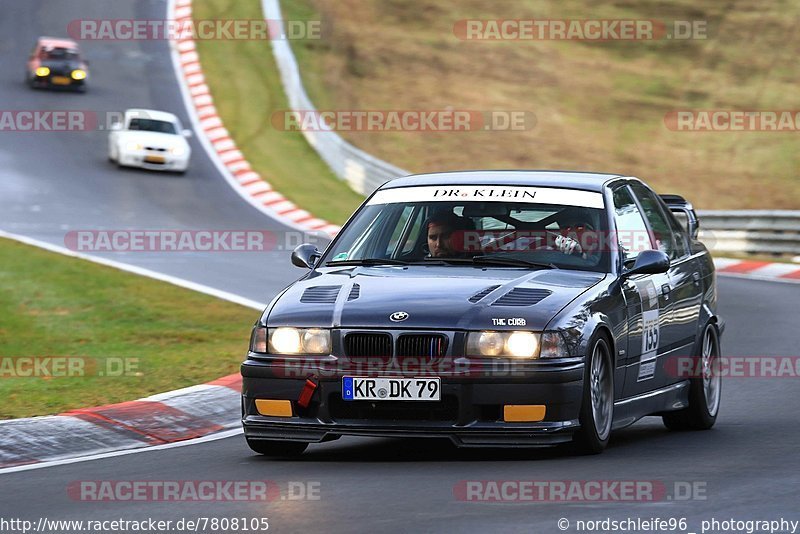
x,y
684,290
647,307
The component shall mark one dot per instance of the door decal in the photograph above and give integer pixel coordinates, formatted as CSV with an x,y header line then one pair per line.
x,y
650,330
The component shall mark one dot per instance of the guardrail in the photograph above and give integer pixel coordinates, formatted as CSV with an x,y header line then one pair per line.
x,y
754,232
771,232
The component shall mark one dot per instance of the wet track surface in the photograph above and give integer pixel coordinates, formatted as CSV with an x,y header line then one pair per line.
x,y
55,182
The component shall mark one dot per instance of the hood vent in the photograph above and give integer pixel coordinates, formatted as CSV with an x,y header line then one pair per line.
x,y
482,293
320,295
355,292
522,296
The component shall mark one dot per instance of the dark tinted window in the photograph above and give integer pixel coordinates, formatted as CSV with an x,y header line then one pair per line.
x,y
662,231
150,125
60,54
632,234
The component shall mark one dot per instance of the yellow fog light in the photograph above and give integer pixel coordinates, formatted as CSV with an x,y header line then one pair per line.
x,y
523,413
78,74
275,408
43,71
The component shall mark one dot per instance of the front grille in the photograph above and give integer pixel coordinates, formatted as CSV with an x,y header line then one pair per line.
x,y
444,410
431,346
357,345
155,149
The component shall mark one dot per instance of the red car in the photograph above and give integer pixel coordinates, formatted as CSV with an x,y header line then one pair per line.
x,y
56,63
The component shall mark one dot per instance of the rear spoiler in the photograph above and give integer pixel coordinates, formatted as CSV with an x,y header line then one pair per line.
x,y
683,211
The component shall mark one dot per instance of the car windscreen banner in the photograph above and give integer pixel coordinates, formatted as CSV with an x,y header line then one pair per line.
x,y
490,193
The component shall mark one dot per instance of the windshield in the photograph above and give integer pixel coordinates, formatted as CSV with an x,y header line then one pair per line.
x,y
477,225
60,54
150,125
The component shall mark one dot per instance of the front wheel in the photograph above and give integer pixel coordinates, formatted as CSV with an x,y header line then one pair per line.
x,y
597,406
269,447
704,390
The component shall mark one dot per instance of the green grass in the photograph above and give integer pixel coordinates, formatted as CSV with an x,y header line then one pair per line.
x,y
246,87
52,305
600,106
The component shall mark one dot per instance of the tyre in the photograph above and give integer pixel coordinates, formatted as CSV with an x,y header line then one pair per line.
x,y
270,447
704,391
597,405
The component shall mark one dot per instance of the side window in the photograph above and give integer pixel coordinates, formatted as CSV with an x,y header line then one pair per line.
x,y
632,234
681,237
403,230
658,221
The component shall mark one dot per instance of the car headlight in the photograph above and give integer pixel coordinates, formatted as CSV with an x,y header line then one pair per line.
x,y
78,74
43,71
133,146
516,344
289,340
176,150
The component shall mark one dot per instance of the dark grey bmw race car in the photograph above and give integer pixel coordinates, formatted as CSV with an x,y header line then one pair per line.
x,y
516,308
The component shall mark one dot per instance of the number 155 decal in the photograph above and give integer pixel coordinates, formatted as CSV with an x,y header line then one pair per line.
x,y
650,331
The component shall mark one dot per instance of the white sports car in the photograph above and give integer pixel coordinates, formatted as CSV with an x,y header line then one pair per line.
x,y
149,139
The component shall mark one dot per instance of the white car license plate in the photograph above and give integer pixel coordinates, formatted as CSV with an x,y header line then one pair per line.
x,y
381,389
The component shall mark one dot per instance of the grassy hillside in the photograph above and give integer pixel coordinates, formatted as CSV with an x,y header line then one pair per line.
x,y
599,105
246,87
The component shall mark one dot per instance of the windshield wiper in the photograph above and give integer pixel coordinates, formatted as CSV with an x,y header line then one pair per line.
x,y
367,262
499,260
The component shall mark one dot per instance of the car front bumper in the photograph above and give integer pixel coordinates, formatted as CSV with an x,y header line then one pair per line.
x,y
65,82
470,412
154,161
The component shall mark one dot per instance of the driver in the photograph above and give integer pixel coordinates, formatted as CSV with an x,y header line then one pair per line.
x,y
441,227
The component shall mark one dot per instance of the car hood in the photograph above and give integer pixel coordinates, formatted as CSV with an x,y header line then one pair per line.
x,y
155,139
433,297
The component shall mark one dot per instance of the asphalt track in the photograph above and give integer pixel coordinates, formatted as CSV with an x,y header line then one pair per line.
x,y
51,183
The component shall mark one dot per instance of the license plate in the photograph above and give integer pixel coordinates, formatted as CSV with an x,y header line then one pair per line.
x,y
381,389
60,80
154,159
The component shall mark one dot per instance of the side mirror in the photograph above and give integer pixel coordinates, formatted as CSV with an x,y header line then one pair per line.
x,y
186,133
649,262
116,127
305,255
